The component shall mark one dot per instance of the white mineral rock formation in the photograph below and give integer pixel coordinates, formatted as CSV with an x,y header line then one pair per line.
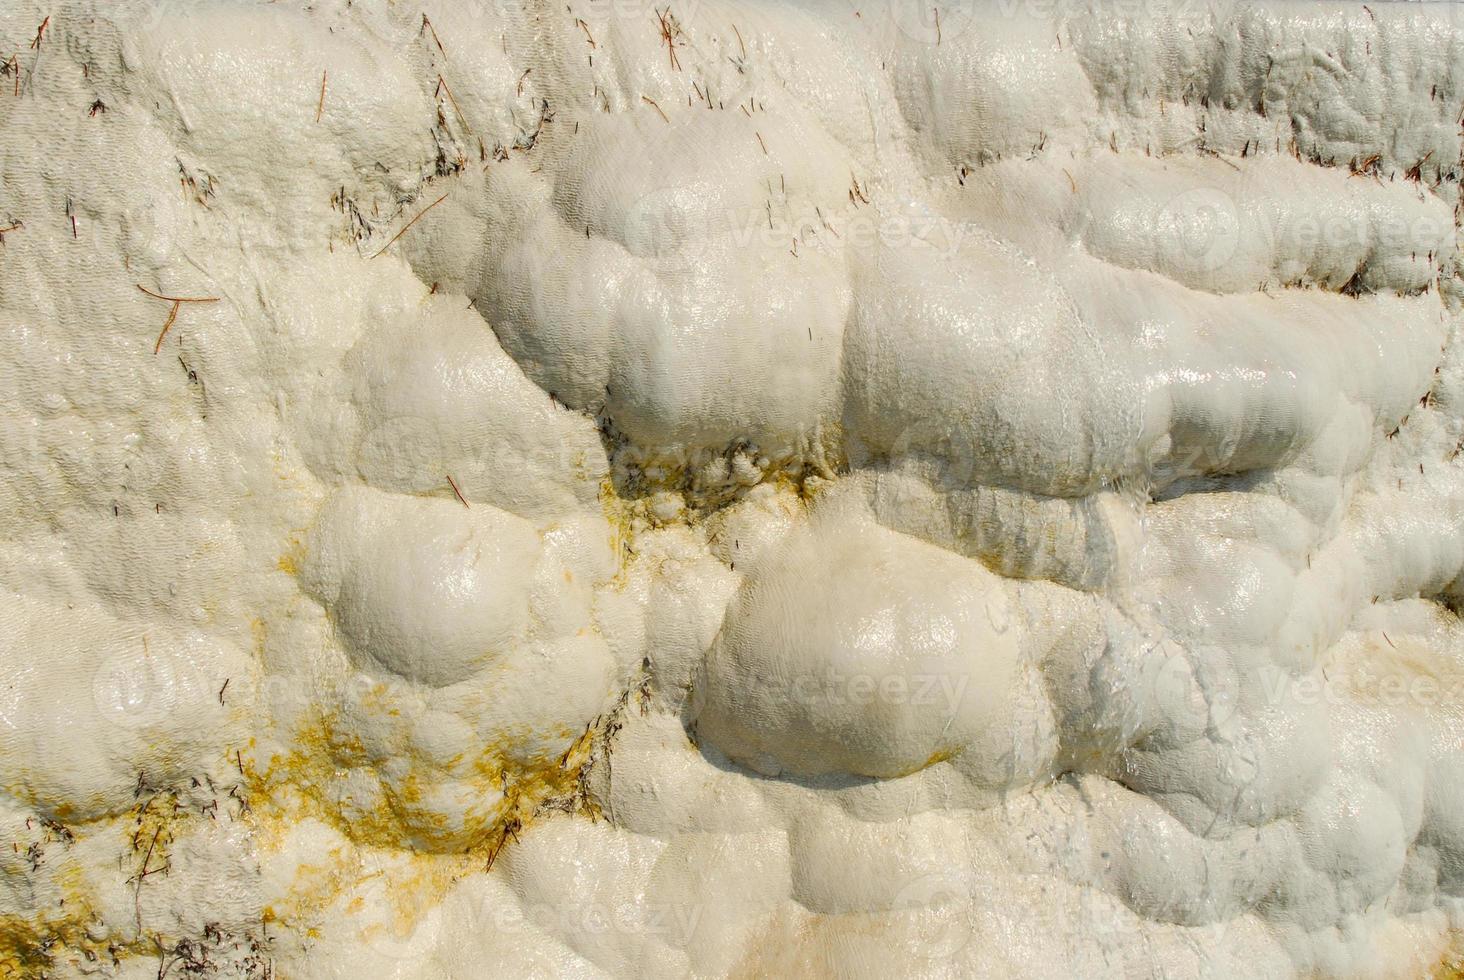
x,y
731,488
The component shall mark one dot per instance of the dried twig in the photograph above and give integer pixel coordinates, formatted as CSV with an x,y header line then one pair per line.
x,y
167,325
509,829
143,873
652,103
670,33
1370,165
1415,172
442,85
177,302
320,106
427,24
410,224
178,299
36,43
453,484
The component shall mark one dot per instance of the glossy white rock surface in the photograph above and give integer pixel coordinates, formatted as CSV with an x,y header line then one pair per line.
x,y
735,489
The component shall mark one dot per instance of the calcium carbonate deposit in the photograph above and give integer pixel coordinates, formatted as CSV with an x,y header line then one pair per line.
x,y
731,488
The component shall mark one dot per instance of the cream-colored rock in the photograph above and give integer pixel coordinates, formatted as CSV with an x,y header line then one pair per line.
x,y
721,489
